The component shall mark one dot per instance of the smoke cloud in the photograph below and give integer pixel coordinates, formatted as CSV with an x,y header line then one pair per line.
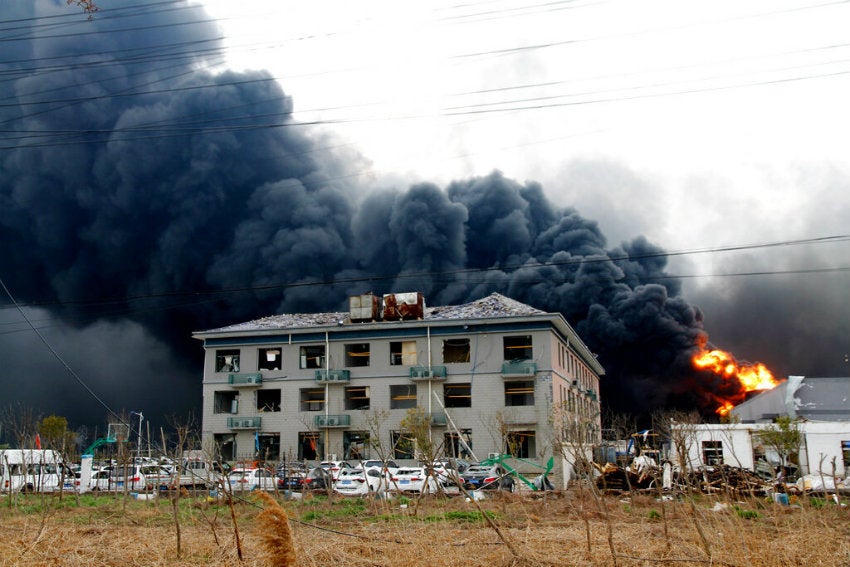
x,y
145,198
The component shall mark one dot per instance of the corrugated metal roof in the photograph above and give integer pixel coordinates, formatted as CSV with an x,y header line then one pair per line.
x,y
494,305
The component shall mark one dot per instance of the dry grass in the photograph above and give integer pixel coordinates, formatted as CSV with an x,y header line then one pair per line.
x,y
447,533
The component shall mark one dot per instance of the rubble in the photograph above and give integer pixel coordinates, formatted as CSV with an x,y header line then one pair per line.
x,y
714,479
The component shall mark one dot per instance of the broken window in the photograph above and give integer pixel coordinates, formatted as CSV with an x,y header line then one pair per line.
x,y
520,444
268,400
517,348
845,452
225,402
269,359
712,452
225,444
455,350
357,398
310,446
312,399
404,446
313,356
457,395
269,446
519,393
227,360
357,354
355,445
403,353
459,444
403,397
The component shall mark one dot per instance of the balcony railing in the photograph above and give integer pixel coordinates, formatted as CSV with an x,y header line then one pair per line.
x,y
519,368
323,376
427,373
438,419
244,422
333,420
245,380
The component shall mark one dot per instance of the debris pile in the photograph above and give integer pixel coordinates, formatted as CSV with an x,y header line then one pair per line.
x,y
709,479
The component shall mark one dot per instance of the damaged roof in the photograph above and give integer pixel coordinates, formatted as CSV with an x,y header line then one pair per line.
x,y
494,305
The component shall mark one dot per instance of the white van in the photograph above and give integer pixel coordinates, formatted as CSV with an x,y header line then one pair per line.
x,y
33,470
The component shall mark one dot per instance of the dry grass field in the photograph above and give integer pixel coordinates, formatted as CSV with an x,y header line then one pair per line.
x,y
570,529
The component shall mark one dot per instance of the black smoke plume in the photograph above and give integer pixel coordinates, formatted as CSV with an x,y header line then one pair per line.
x,y
145,197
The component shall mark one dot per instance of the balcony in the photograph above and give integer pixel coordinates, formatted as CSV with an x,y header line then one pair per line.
x,y
245,380
332,421
244,422
427,373
332,376
438,419
519,368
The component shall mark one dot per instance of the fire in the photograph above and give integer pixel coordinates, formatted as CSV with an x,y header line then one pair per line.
x,y
750,377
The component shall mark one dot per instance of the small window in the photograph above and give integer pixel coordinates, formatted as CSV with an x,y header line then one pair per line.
x,y
268,400
225,402
357,398
312,399
313,356
457,395
519,393
227,360
269,359
403,397
455,350
517,348
712,452
357,354
403,353
520,444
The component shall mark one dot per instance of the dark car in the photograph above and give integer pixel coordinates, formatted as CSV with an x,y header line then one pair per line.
x,y
289,477
317,479
487,477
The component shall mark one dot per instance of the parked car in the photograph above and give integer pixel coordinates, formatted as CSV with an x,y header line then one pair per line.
x,y
389,465
317,479
335,466
157,477
447,471
360,482
289,477
126,477
244,480
487,477
413,479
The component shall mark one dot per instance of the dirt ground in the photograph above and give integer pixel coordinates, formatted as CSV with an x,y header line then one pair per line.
x,y
574,528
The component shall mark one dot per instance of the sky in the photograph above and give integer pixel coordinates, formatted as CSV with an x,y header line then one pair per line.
x,y
158,157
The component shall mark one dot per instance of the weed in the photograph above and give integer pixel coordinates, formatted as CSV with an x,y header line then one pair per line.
x,y
746,514
654,515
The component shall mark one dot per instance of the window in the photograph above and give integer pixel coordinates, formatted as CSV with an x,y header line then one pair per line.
x,y
403,353
845,451
517,348
455,350
357,398
269,445
313,356
227,360
309,446
403,397
269,359
225,444
520,444
355,445
457,395
519,393
225,402
459,444
312,399
712,452
404,447
268,400
357,354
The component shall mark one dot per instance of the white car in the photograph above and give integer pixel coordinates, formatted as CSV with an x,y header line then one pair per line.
x,y
359,482
129,478
413,479
245,480
334,467
389,465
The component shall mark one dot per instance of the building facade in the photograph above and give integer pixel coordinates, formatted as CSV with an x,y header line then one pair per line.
x,y
491,376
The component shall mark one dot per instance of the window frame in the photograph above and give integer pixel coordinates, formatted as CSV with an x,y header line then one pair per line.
x,y
221,364
457,351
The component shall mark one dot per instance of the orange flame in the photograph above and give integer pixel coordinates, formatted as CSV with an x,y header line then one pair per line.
x,y
750,377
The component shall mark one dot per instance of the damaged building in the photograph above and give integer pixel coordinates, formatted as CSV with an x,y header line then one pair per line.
x,y
492,376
